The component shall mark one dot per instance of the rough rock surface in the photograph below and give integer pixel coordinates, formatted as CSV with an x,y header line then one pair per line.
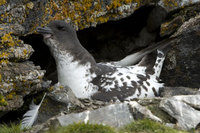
x,y
81,14
182,63
173,111
185,109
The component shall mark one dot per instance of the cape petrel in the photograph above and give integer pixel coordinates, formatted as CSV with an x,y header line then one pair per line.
x,y
120,80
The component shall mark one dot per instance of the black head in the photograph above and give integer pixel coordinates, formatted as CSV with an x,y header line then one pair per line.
x,y
59,31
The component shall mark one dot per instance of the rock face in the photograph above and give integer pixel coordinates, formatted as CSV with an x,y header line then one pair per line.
x,y
182,63
116,115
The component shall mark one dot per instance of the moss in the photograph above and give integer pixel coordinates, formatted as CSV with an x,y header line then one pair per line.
x,y
2,2
10,129
148,126
83,128
140,126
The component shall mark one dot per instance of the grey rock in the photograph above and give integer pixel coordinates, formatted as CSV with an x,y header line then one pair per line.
x,y
19,53
173,91
15,29
140,112
181,68
185,109
116,115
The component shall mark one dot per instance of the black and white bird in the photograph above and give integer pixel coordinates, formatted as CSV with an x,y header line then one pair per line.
x,y
120,80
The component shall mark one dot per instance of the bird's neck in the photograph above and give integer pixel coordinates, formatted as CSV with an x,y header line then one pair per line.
x,y
76,69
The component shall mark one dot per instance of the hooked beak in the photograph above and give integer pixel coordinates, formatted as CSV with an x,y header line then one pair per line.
x,y
45,31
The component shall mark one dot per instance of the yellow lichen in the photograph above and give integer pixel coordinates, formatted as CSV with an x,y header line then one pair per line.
x,y
8,40
4,62
3,55
170,3
2,101
2,2
30,5
83,13
10,95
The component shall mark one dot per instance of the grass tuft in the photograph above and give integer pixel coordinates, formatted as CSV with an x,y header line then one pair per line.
x,y
83,128
12,128
148,126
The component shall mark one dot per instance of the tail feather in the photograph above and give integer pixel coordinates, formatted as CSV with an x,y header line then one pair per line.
x,y
159,63
136,57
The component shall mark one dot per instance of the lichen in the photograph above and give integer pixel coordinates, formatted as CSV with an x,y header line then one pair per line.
x,y
9,40
84,13
2,101
170,3
10,95
4,62
2,2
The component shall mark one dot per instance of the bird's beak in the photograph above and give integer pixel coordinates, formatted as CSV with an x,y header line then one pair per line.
x,y
44,30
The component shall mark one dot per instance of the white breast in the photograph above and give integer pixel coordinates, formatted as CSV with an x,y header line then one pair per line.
x,y
76,76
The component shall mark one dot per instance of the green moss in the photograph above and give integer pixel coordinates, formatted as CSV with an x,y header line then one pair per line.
x,y
10,129
83,128
148,126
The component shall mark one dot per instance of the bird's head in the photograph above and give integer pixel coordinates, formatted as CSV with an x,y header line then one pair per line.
x,y
60,33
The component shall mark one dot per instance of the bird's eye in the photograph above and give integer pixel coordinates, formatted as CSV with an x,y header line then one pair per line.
x,y
60,27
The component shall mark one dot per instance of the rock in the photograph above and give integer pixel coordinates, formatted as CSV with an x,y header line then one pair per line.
x,y
15,83
81,14
60,99
185,109
173,91
140,112
181,67
15,29
116,115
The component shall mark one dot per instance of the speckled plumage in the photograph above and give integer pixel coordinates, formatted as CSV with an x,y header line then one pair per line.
x,y
101,81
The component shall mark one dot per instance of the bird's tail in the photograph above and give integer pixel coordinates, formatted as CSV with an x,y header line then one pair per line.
x,y
159,62
136,57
